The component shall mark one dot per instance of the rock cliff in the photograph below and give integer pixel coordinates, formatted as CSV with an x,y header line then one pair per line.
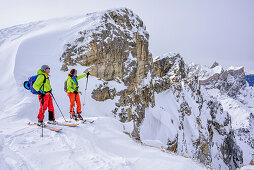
x,y
163,97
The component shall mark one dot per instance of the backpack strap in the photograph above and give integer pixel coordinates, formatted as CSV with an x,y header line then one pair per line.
x,y
44,81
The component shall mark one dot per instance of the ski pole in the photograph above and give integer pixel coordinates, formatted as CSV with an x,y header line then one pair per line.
x,y
87,82
85,91
58,106
42,103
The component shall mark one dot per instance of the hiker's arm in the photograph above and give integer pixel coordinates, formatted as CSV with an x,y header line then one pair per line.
x,y
69,86
81,76
38,83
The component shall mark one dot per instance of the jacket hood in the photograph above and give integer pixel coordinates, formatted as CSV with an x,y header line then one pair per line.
x,y
69,77
41,72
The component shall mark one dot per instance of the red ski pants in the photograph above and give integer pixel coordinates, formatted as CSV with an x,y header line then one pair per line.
x,y
74,97
47,103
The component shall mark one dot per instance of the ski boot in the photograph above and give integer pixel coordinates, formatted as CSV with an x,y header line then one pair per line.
x,y
79,116
40,123
73,116
53,122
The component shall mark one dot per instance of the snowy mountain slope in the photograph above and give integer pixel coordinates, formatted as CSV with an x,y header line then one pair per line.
x,y
248,167
240,106
186,119
240,116
101,145
116,52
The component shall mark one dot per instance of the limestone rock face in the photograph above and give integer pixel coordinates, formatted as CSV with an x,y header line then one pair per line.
x,y
228,81
103,93
215,64
230,88
232,80
107,47
252,162
114,48
170,69
194,108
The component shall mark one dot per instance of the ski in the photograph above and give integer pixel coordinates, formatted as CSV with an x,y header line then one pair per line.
x,y
46,127
66,124
83,120
87,121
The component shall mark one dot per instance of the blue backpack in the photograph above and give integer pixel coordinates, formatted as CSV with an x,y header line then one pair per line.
x,y
29,84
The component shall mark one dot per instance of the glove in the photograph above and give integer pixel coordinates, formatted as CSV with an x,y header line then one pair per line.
x,y
80,92
50,91
75,92
88,73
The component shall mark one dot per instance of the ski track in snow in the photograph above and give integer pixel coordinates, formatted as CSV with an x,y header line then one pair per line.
x,y
100,145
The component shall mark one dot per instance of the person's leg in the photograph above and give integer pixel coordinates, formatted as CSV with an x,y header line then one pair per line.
x,y
72,100
51,109
40,115
78,107
44,105
78,104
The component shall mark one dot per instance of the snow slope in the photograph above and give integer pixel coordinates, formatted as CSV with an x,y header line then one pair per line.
x,y
161,121
239,107
102,145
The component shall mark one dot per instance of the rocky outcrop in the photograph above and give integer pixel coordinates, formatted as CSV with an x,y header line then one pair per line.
x,y
229,81
119,35
207,115
215,64
232,80
103,93
245,134
116,50
252,162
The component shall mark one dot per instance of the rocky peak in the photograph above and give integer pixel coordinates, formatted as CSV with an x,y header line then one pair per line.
x,y
120,37
194,108
114,47
229,81
169,64
215,64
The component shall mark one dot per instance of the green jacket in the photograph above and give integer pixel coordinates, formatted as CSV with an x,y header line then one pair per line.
x,y
71,85
38,84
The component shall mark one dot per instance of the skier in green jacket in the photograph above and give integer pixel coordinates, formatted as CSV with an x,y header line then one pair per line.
x,y
73,93
43,87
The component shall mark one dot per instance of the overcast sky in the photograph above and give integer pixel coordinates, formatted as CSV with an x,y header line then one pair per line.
x,y
202,31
